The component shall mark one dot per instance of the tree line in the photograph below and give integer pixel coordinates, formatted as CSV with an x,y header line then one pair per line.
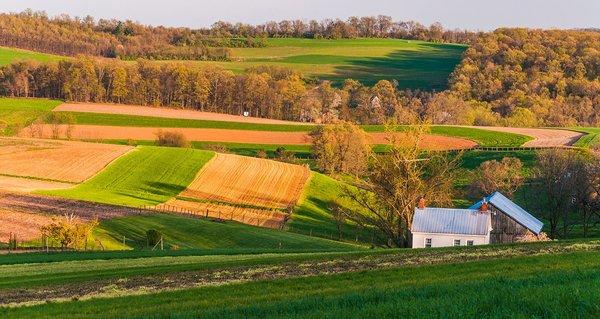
x,y
381,26
270,92
69,36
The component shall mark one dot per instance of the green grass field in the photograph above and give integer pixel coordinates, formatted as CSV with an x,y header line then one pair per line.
x,y
146,176
481,136
9,55
555,279
592,139
18,113
414,64
194,233
312,215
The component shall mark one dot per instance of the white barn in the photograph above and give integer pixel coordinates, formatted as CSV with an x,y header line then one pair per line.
x,y
442,227
495,219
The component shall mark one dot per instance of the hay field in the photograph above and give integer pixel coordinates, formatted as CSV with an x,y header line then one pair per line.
x,y
62,161
248,181
249,190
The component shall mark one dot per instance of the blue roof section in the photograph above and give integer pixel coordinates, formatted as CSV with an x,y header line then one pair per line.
x,y
450,221
513,210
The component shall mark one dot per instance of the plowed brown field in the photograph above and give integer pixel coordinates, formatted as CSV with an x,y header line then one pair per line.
x,y
25,226
249,190
64,161
163,112
97,132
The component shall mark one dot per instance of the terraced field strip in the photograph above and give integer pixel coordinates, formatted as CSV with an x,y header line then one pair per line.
x,y
542,137
164,112
62,161
20,184
99,132
249,190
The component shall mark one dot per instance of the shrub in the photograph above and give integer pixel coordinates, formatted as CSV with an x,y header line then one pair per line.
x,y
171,139
261,154
153,236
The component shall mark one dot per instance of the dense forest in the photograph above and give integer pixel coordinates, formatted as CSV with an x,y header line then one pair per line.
x,y
546,77
513,77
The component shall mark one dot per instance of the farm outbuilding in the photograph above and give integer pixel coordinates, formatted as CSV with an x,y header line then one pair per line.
x,y
495,219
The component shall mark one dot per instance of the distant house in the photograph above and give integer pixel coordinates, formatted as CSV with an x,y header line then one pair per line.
x,y
495,219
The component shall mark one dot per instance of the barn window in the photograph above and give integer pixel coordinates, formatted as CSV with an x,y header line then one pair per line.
x,y
427,242
469,243
457,242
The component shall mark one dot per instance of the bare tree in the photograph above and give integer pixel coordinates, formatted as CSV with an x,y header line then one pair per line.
x,y
586,190
555,180
339,216
396,182
504,176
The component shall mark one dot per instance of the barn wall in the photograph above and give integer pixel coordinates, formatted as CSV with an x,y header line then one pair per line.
x,y
446,240
504,228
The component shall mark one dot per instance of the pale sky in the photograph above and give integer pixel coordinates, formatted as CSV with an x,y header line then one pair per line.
x,y
466,14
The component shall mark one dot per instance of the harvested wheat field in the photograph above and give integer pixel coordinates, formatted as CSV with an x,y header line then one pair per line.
x,y
25,226
63,161
98,132
270,218
245,189
248,181
542,137
163,112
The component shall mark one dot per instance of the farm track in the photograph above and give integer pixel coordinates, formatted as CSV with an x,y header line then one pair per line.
x,y
248,190
64,161
100,132
269,271
542,137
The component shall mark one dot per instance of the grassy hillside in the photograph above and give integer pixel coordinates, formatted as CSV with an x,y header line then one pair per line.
x,y
194,233
312,215
9,55
414,64
592,139
146,176
18,113
448,282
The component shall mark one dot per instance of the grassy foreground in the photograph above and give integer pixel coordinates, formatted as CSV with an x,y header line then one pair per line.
x,y
194,233
148,175
564,285
17,113
592,139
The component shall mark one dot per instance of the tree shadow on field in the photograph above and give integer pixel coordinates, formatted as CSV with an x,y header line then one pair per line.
x,y
163,189
426,67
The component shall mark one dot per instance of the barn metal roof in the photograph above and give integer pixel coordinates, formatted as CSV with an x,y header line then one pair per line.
x,y
513,210
451,221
